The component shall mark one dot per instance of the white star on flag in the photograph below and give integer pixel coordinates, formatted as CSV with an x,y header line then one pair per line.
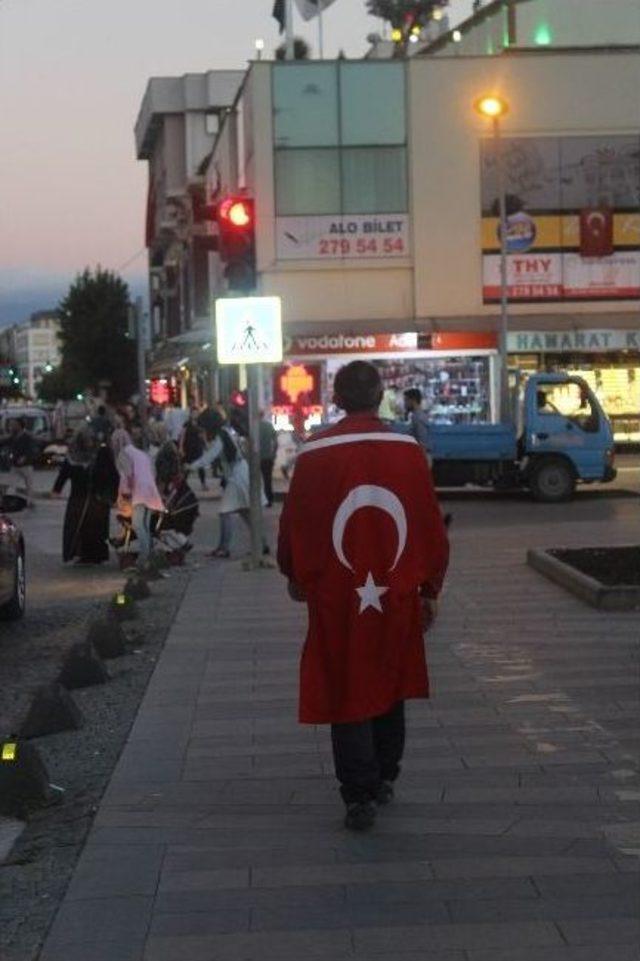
x,y
370,594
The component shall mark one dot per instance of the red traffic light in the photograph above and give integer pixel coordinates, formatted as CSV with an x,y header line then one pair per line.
x,y
235,212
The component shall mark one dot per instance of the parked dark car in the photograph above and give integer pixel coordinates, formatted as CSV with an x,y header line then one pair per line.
x,y
13,579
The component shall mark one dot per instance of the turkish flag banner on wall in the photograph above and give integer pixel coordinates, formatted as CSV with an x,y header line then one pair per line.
x,y
596,232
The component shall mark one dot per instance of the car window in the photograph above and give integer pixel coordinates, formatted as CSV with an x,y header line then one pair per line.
x,y
571,400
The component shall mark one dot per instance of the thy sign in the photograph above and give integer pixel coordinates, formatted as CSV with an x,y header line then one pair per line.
x,y
249,330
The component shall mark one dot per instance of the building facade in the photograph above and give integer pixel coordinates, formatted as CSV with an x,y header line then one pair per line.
x,y
376,207
175,131
32,348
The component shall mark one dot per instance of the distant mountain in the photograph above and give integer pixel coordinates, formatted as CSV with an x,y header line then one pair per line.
x,y
22,293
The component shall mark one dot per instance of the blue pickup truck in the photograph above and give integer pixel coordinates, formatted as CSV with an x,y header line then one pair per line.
x,y
560,437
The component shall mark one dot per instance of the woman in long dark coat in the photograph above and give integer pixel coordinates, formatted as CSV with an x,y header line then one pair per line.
x,y
94,487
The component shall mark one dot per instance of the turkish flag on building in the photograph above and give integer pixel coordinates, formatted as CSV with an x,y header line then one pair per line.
x,y
361,533
596,232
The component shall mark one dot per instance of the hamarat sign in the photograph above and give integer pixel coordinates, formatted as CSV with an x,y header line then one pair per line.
x,y
564,341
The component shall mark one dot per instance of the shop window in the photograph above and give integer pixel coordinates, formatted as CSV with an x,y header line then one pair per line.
x,y
372,109
305,99
307,182
374,181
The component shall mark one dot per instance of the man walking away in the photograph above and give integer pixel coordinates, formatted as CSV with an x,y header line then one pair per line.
x,y
268,449
363,542
22,447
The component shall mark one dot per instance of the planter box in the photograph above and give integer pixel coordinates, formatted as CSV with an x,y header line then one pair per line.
x,y
602,596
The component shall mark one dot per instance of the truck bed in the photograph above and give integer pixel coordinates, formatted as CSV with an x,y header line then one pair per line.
x,y
473,442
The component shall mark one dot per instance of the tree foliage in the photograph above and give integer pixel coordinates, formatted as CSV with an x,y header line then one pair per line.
x,y
398,12
96,350
301,50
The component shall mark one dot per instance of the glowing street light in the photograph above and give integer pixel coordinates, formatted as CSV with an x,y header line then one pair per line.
x,y
493,107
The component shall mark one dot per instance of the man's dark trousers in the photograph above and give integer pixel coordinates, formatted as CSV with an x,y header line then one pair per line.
x,y
365,753
266,466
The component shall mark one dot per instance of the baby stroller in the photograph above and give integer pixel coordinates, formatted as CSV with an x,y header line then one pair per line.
x,y
173,528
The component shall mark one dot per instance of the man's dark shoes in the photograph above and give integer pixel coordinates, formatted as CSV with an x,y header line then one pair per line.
x,y
384,794
361,815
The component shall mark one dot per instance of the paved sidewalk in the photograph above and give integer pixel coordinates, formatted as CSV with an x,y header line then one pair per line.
x,y
514,836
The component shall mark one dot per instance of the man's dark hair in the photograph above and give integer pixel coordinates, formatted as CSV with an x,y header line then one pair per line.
x,y
358,387
413,393
102,410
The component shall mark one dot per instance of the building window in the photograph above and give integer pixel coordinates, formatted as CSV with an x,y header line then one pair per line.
x,y
307,182
340,138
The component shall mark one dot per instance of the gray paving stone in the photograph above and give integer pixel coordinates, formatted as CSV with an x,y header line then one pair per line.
x,y
183,925
604,931
587,885
173,882
103,951
99,874
340,873
100,920
565,952
255,946
292,899
373,941
408,892
497,867
620,906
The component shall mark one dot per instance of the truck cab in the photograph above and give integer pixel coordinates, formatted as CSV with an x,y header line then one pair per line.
x,y
566,436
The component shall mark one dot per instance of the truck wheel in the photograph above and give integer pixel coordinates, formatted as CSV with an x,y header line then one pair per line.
x,y
552,481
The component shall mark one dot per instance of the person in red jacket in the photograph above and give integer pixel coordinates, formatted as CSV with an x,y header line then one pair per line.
x,y
363,542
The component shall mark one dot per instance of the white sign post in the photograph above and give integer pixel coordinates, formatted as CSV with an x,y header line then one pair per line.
x,y
249,331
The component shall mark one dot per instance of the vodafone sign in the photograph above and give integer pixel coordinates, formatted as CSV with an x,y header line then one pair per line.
x,y
326,345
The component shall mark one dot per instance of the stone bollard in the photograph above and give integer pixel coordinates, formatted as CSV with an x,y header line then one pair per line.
x,y
82,668
137,588
52,710
24,782
107,638
122,607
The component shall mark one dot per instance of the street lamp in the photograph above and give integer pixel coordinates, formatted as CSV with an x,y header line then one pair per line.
x,y
493,108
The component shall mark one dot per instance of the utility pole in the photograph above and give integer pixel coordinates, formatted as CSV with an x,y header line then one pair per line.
x,y
255,477
141,359
288,27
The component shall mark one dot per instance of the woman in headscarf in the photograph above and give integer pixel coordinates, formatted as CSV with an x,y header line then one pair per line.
x,y
137,488
94,484
221,445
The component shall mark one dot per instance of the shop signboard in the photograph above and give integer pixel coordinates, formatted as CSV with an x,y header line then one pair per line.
x,y
325,345
249,330
297,384
572,341
564,276
339,237
565,197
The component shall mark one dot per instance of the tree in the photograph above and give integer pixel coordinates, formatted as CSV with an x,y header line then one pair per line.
x,y
96,350
301,50
405,16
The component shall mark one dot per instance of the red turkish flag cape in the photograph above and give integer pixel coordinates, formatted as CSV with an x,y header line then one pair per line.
x,y
596,232
361,532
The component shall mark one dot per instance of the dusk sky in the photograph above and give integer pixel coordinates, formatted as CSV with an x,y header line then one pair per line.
x,y
72,75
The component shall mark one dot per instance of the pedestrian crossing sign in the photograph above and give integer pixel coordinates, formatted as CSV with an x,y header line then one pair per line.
x,y
249,330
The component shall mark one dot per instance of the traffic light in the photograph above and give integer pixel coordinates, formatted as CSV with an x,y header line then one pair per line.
x,y
239,412
237,241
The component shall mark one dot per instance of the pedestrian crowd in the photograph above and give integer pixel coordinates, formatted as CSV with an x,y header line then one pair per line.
x,y
362,541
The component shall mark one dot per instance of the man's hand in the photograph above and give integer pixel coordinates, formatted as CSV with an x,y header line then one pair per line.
x,y
295,592
429,611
